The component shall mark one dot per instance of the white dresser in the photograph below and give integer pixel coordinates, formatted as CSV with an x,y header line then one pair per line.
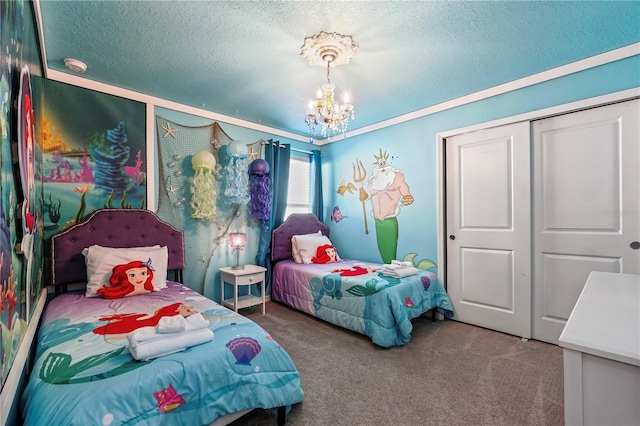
x,y
601,342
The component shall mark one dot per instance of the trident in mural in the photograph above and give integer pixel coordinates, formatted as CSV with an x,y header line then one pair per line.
x,y
359,178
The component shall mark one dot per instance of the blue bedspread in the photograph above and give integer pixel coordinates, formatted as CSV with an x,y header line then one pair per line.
x,y
370,303
84,373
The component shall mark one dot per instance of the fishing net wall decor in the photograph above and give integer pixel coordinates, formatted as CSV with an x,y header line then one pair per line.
x,y
176,145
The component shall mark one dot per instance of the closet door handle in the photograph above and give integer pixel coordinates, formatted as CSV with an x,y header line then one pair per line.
x,y
635,245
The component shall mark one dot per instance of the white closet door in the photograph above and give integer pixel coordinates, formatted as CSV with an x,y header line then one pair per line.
x,y
586,206
489,228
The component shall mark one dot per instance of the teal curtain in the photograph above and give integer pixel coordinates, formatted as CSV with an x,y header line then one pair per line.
x,y
278,155
317,207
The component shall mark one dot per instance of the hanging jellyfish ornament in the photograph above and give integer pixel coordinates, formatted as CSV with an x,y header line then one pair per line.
x,y
237,184
260,190
203,190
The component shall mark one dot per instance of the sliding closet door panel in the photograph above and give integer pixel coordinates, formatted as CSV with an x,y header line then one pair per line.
x,y
561,280
485,290
488,228
586,206
486,166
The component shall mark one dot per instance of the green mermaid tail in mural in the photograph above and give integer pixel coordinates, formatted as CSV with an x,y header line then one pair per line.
x,y
387,237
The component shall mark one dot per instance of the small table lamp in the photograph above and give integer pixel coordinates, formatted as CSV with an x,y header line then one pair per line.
x,y
238,241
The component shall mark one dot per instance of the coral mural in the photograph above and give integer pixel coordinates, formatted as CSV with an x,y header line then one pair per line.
x,y
110,153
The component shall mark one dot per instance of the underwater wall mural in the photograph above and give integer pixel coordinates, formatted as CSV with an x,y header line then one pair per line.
x,y
94,154
21,242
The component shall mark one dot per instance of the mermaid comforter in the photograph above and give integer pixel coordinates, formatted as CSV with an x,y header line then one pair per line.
x,y
357,296
85,374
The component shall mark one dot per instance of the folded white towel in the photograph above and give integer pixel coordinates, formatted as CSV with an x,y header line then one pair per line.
x,y
145,334
400,273
196,321
396,268
392,266
178,323
145,350
397,262
172,324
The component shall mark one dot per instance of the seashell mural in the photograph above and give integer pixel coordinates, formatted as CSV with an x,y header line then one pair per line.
x,y
244,349
426,283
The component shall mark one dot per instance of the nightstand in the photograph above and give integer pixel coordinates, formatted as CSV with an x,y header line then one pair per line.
x,y
247,276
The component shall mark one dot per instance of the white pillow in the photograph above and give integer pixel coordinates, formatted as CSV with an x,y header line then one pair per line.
x,y
305,246
295,251
101,260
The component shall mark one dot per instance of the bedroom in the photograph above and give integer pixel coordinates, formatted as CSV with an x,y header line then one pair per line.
x,y
414,134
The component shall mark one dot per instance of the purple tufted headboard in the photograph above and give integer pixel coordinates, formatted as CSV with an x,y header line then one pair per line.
x,y
296,224
112,228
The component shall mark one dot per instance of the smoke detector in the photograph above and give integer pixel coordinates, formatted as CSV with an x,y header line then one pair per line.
x,y
75,65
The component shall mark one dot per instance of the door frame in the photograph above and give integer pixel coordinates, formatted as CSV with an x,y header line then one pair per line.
x,y
441,137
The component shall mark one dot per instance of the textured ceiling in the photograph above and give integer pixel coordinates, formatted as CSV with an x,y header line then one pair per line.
x,y
242,58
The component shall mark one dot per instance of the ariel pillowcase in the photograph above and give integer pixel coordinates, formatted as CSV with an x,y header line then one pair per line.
x,y
305,247
129,279
325,253
100,262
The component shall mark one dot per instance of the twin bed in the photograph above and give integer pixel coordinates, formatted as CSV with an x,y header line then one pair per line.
x,y
84,371
351,294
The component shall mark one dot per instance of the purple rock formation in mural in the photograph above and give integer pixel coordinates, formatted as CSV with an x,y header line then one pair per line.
x,y
110,154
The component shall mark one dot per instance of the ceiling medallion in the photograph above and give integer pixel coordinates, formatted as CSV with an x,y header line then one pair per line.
x,y
326,49
316,47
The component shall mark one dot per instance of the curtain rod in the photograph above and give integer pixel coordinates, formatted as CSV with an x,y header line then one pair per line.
x,y
292,149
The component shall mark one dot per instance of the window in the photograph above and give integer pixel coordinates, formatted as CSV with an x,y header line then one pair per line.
x,y
299,193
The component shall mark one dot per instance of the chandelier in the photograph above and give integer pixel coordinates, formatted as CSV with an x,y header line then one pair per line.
x,y
332,117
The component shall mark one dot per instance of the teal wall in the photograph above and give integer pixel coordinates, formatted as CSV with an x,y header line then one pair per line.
x,y
222,256
412,148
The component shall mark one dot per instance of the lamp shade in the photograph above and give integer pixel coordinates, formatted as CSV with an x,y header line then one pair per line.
x,y
203,160
237,240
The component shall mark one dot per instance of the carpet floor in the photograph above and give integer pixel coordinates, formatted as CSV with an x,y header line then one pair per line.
x,y
450,373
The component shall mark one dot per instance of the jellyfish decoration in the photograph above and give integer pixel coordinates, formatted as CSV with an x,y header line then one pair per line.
x,y
237,181
260,190
203,189
244,349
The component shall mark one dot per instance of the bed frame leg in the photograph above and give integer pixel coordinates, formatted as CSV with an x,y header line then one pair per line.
x,y
282,415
